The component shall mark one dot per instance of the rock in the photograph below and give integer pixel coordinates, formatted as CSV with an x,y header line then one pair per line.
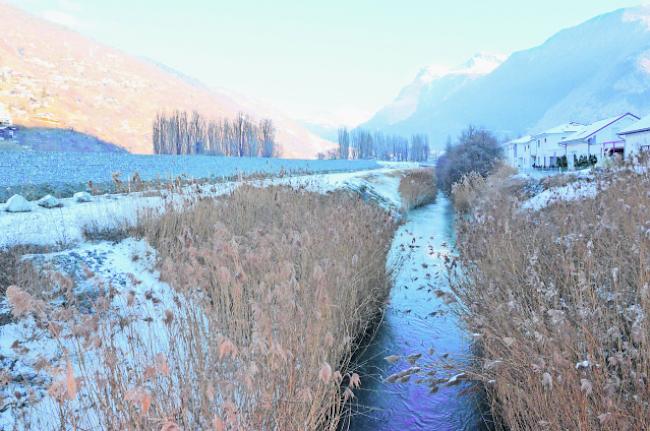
x,y
83,197
18,204
49,201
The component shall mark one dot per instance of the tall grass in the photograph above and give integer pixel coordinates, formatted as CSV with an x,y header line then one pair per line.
x,y
14,271
417,187
273,287
560,299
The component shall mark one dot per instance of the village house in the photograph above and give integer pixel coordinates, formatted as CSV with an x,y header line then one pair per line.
x,y
636,137
597,141
516,151
545,149
6,125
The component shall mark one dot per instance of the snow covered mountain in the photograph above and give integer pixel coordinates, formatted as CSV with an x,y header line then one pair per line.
x,y
433,85
595,70
52,77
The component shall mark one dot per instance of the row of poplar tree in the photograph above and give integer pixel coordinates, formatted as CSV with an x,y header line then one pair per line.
x,y
181,133
362,144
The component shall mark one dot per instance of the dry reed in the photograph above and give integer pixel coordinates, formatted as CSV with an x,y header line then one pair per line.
x,y
417,188
274,288
560,298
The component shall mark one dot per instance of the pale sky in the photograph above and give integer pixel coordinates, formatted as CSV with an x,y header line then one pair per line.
x,y
332,60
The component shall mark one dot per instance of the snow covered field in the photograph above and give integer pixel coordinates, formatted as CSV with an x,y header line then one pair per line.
x,y
61,171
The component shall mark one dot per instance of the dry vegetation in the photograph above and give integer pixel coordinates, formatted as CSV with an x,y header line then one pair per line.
x,y
560,298
13,271
471,188
417,187
273,287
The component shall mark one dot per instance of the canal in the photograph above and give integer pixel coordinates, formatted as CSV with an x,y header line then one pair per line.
x,y
418,321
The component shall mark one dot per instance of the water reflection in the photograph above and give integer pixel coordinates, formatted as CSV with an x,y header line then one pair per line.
x,y
416,321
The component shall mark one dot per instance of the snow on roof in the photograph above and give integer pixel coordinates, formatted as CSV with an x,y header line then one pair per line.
x,y
640,126
571,127
522,140
589,130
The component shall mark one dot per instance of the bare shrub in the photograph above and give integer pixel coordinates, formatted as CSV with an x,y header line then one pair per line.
x,y
274,288
94,231
417,188
477,150
560,298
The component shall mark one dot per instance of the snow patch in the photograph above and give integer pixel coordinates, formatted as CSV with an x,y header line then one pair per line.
x,y
49,201
571,192
18,204
82,197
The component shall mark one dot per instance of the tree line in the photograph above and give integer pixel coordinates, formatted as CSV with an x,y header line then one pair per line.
x,y
362,144
181,133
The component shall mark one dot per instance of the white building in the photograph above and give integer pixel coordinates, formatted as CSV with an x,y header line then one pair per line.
x,y
637,137
545,149
5,118
516,152
599,139
6,125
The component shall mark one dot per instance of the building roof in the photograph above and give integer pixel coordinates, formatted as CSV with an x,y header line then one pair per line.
x,y
591,129
640,126
562,129
522,140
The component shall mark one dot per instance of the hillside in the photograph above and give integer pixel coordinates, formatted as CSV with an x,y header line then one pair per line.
x,y
56,78
594,70
433,85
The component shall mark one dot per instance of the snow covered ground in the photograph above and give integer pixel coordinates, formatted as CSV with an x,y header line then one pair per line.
x,y
66,225
573,191
29,353
32,361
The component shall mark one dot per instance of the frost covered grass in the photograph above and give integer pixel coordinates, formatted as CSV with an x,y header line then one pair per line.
x,y
261,298
36,174
417,187
558,298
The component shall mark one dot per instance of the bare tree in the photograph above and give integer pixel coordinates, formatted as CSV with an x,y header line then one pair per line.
x,y
177,133
361,144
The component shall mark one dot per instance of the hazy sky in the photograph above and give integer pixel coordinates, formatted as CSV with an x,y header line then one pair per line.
x,y
328,60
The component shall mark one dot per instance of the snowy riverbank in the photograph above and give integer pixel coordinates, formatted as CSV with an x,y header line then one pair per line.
x,y
124,273
67,224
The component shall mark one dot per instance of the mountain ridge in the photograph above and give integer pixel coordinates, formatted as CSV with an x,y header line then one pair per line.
x,y
581,73
54,77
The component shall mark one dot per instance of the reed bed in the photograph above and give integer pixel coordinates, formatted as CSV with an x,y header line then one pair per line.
x,y
559,300
417,187
273,290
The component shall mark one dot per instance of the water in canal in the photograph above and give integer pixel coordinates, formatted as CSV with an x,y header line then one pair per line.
x,y
417,321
